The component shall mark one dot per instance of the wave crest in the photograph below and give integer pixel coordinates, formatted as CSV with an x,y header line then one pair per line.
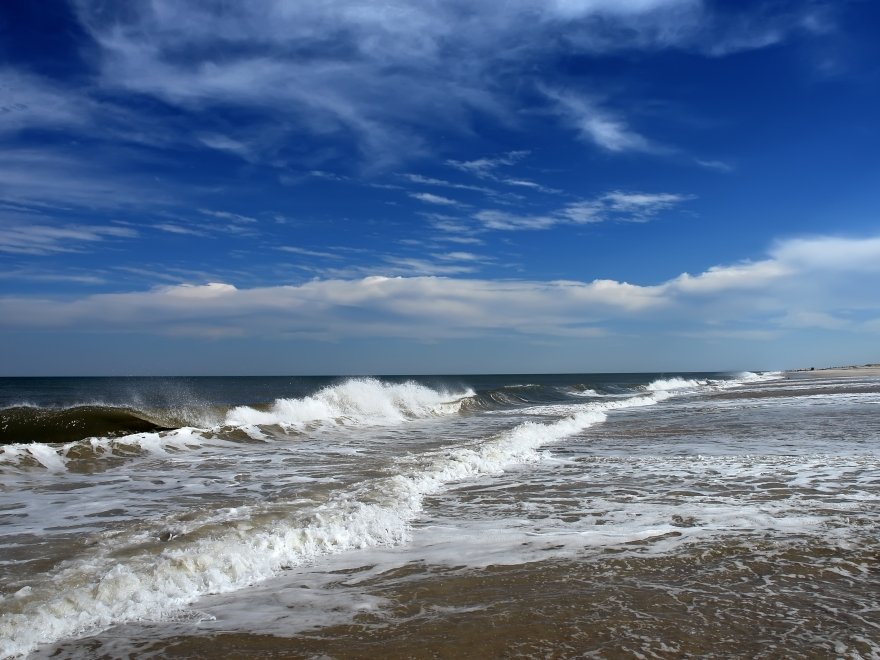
x,y
33,424
669,384
355,401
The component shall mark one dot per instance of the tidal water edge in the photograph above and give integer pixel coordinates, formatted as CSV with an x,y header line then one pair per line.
x,y
593,514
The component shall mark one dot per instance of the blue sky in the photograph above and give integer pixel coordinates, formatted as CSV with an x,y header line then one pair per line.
x,y
437,187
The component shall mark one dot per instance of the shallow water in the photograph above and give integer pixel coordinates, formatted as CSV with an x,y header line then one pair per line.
x,y
590,515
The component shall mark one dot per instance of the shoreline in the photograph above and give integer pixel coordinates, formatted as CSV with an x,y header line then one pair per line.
x,y
836,372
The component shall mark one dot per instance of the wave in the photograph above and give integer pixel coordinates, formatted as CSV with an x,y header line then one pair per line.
x,y
671,384
56,458
100,432
21,424
583,390
35,437
88,596
355,401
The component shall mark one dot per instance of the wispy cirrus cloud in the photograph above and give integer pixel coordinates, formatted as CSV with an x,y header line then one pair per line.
x,y
488,168
29,101
305,252
431,198
67,178
328,69
598,125
612,206
171,228
62,276
432,181
36,239
717,165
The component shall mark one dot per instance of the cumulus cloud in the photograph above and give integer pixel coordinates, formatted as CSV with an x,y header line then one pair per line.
x,y
437,306
738,276
770,296
840,254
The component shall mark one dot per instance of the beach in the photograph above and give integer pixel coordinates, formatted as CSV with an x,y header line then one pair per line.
x,y
854,371
597,515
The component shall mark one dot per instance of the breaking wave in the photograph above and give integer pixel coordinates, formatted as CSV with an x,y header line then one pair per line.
x,y
671,384
355,401
86,596
32,424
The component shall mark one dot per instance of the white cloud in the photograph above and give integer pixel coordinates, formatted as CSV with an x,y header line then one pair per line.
x,y
309,253
331,69
431,181
748,275
835,254
28,101
61,179
411,266
577,8
506,221
439,306
808,319
486,167
172,228
65,276
717,165
226,215
462,256
431,198
616,205
54,239
337,68
598,125
639,203
756,300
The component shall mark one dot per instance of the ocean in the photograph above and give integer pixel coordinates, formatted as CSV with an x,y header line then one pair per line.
x,y
586,515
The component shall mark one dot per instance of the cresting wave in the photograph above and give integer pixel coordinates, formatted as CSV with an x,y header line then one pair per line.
x,y
100,430
87,596
355,401
29,423
358,401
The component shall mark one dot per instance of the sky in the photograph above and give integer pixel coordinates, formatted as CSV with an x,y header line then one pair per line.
x,y
447,186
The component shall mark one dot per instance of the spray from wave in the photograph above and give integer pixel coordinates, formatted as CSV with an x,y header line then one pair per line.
x,y
103,432
672,384
355,401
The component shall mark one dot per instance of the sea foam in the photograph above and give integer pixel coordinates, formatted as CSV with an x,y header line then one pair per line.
x,y
87,596
355,401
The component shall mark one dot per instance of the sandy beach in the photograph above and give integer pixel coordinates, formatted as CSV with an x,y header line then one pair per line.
x,y
856,371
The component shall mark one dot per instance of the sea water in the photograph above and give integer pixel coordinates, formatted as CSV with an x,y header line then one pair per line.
x,y
610,515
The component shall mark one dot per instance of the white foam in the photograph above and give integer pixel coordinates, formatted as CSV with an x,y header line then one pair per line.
x,y
586,392
56,457
93,594
355,401
673,384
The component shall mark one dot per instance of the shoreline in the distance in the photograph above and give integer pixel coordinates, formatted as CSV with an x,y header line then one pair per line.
x,y
836,372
